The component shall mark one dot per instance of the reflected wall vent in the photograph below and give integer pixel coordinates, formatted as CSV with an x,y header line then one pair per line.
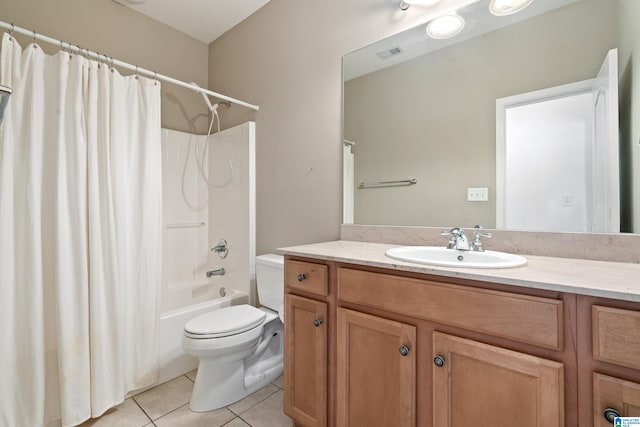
x,y
386,54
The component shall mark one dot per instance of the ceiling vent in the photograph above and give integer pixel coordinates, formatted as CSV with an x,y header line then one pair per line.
x,y
386,54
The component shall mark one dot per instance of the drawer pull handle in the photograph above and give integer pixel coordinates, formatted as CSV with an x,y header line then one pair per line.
x,y
317,322
438,361
404,350
611,414
301,277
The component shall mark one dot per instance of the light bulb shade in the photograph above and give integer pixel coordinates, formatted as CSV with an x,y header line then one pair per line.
x,y
445,26
507,7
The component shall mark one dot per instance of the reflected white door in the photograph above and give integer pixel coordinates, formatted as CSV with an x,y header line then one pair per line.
x,y
605,183
557,157
348,195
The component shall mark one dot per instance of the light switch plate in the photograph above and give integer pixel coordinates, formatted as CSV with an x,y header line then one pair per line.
x,y
478,194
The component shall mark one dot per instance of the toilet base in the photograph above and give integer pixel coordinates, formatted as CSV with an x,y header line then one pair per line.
x,y
226,379
216,388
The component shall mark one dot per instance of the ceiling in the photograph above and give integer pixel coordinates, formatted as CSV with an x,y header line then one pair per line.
x,y
205,20
414,42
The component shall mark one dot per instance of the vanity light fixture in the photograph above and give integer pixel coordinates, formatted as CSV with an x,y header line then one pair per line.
x,y
445,26
508,7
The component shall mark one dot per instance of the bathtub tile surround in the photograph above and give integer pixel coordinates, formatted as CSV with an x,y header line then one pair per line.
x,y
597,247
164,406
186,222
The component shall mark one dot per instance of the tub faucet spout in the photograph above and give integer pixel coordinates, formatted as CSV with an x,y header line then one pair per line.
x,y
218,272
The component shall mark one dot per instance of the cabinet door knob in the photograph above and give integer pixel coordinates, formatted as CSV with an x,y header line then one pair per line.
x,y
611,414
317,322
301,277
404,350
438,361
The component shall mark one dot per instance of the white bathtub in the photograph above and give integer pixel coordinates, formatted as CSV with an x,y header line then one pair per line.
x,y
173,361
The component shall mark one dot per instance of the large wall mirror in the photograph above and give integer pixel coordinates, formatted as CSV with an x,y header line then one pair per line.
x,y
526,122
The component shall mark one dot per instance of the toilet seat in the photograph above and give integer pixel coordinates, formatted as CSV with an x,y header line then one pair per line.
x,y
224,322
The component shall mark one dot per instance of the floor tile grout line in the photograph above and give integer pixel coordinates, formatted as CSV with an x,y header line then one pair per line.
x,y
172,411
245,421
143,411
255,404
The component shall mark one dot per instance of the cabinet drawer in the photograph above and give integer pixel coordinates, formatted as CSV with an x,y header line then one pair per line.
x,y
616,336
615,393
522,318
307,276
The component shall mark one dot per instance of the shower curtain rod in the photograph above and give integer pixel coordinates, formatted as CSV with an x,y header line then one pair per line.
x,y
111,61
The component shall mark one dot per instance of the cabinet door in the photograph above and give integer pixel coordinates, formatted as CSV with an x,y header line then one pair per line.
x,y
476,384
613,393
376,371
305,373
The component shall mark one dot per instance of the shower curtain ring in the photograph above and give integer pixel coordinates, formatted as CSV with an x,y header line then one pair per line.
x,y
155,78
136,72
11,31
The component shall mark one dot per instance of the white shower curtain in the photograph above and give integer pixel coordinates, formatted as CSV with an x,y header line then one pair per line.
x,y
80,236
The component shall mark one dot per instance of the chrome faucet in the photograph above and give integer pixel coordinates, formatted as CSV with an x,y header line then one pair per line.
x,y
218,272
458,240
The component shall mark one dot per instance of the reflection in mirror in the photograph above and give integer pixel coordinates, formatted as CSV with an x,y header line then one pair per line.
x,y
434,110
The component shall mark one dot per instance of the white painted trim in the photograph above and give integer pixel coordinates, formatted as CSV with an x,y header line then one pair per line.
x,y
502,104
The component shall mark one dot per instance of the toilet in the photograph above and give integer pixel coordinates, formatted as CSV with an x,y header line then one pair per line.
x,y
240,348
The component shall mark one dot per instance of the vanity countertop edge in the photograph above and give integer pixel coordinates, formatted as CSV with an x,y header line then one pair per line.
x,y
605,279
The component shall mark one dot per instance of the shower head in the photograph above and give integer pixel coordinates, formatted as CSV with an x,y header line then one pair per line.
x,y
5,92
213,107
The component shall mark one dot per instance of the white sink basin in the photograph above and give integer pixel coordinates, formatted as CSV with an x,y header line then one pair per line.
x,y
440,256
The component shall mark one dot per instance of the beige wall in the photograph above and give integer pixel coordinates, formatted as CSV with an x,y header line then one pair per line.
x,y
115,30
433,118
287,57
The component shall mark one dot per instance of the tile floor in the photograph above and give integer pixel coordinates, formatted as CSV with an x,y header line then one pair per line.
x,y
167,405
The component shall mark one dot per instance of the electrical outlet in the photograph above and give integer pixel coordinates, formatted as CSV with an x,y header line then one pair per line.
x,y
567,200
478,194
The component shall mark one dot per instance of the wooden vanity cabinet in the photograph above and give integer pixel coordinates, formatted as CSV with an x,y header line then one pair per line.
x,y
306,343
483,356
376,371
483,385
609,359
362,347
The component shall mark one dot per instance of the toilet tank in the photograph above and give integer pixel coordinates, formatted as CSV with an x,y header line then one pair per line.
x,y
270,280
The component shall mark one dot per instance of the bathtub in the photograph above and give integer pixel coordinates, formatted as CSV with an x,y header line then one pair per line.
x,y
173,361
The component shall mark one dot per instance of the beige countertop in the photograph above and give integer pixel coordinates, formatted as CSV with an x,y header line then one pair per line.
x,y
596,278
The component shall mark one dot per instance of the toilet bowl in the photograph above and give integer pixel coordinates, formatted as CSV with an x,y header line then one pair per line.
x,y
240,348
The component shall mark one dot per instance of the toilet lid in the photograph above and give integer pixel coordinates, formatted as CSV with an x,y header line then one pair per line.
x,y
225,321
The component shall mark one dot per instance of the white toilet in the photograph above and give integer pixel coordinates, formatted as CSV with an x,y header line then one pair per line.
x,y
240,347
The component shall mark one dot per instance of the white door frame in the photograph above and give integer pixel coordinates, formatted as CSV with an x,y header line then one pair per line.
x,y
502,104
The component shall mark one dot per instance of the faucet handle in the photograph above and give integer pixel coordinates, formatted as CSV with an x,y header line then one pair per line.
x,y
455,231
477,245
477,234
